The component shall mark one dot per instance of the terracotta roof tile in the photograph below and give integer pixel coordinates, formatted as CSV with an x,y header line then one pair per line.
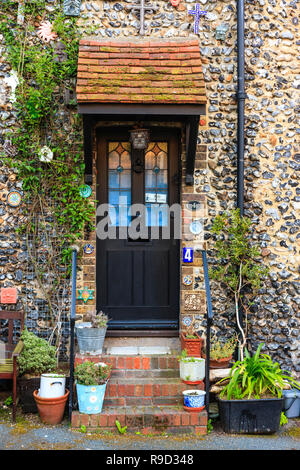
x,y
138,72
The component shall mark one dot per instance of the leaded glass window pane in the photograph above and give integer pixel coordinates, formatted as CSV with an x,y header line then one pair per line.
x,y
119,182
156,183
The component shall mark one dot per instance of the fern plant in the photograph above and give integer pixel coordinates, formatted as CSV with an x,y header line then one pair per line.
x,y
256,376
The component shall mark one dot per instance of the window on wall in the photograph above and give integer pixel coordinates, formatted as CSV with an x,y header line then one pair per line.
x,y
151,183
119,181
156,183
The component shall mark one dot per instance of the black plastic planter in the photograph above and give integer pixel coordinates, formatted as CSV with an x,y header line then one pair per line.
x,y
251,416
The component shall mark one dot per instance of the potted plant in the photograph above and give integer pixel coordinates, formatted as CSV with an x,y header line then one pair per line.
x,y
37,358
91,334
193,400
221,352
191,342
240,267
36,362
191,369
251,402
91,379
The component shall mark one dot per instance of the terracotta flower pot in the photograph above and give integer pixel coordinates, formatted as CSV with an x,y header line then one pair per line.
x,y
192,346
51,410
221,363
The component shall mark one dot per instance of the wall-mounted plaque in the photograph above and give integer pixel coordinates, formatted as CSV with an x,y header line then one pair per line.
x,y
193,205
14,198
187,255
88,249
85,294
85,190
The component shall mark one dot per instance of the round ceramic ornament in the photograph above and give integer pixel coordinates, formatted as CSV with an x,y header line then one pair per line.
x,y
14,198
46,154
187,280
85,190
187,321
196,227
88,249
45,32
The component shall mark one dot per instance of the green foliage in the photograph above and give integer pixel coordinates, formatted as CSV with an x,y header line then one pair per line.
x,y
237,255
185,358
37,355
8,401
283,419
52,200
240,267
256,376
209,426
38,103
220,349
122,430
89,373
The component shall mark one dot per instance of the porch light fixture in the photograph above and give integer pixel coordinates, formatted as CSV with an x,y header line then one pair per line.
x,y
221,30
139,138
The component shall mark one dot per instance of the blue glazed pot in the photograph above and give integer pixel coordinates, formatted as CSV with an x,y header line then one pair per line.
x,y
90,398
194,401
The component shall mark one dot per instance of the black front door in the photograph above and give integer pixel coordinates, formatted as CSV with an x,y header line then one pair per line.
x,y
138,277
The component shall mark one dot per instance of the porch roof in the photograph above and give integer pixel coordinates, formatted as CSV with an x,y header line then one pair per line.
x,y
140,72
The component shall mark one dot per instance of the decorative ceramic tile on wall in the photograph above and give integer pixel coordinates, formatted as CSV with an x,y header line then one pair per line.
x,y
192,302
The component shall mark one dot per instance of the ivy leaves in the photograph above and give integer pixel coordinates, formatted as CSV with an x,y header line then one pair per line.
x,y
38,105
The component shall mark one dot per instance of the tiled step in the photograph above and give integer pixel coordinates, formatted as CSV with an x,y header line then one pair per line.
x,y
144,419
146,391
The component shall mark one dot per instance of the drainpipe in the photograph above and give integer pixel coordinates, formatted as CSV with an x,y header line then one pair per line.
x,y
75,250
241,96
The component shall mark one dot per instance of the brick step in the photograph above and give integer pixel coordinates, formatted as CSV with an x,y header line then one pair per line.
x,y
137,366
120,392
144,419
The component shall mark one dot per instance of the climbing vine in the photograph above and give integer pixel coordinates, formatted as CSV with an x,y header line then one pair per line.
x,y
56,214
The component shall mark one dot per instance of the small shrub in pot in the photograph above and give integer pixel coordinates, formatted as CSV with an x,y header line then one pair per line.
x,y
91,379
38,355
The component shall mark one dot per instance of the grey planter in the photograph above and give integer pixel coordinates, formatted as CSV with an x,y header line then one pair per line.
x,y
90,340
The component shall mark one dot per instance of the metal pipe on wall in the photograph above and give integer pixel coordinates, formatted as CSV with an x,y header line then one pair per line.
x,y
75,250
241,96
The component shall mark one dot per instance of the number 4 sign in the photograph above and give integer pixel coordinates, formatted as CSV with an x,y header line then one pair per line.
x,y
188,255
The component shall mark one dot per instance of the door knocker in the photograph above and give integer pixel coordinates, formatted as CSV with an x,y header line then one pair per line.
x,y
138,166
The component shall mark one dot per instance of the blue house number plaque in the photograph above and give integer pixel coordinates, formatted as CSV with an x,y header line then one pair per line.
x,y
188,255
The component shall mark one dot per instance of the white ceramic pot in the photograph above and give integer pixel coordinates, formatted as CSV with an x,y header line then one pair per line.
x,y
192,371
52,385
